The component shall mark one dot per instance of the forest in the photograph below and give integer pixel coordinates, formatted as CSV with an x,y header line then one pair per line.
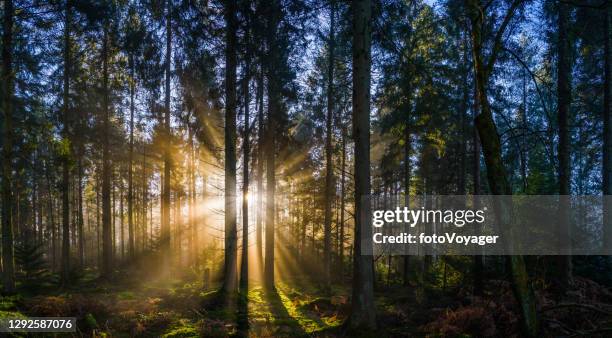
x,y
197,168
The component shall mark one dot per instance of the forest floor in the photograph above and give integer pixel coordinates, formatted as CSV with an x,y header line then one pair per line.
x,y
132,306
127,307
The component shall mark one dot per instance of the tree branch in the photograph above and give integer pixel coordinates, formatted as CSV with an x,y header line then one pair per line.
x,y
500,34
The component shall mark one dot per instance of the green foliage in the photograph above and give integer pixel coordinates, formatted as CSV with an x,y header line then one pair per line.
x,y
90,321
33,270
184,329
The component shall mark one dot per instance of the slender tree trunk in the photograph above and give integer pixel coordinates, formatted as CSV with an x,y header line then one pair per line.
x,y
407,150
165,200
193,245
342,205
81,244
463,111
270,188
66,156
130,169
564,92
496,172
274,106
229,277
329,170
8,268
362,309
98,224
260,166
244,267
478,259
107,249
121,225
523,121
145,198
178,225
114,214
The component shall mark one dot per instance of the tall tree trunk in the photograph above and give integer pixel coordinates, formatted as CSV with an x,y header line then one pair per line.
x,y
274,105
81,245
178,226
463,111
121,223
407,150
564,98
342,206
8,267
607,132
145,197
478,259
66,155
107,249
192,201
329,169
362,308
496,172
244,267
165,200
229,277
260,165
130,168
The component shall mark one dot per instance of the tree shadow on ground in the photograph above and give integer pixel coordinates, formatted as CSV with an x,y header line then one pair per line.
x,y
286,325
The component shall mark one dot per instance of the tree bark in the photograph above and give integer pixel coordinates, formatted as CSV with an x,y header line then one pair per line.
x,y
130,165
342,206
244,267
407,150
8,265
194,248
478,259
362,307
229,277
260,166
329,169
121,223
65,275
165,200
107,249
274,104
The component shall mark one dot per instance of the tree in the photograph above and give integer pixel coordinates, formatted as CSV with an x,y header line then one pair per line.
x,y
229,276
67,150
260,161
165,205
8,262
244,267
564,99
329,170
107,240
490,141
362,308
274,106
134,36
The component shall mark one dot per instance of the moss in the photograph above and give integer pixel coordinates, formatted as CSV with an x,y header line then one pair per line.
x,y
183,330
